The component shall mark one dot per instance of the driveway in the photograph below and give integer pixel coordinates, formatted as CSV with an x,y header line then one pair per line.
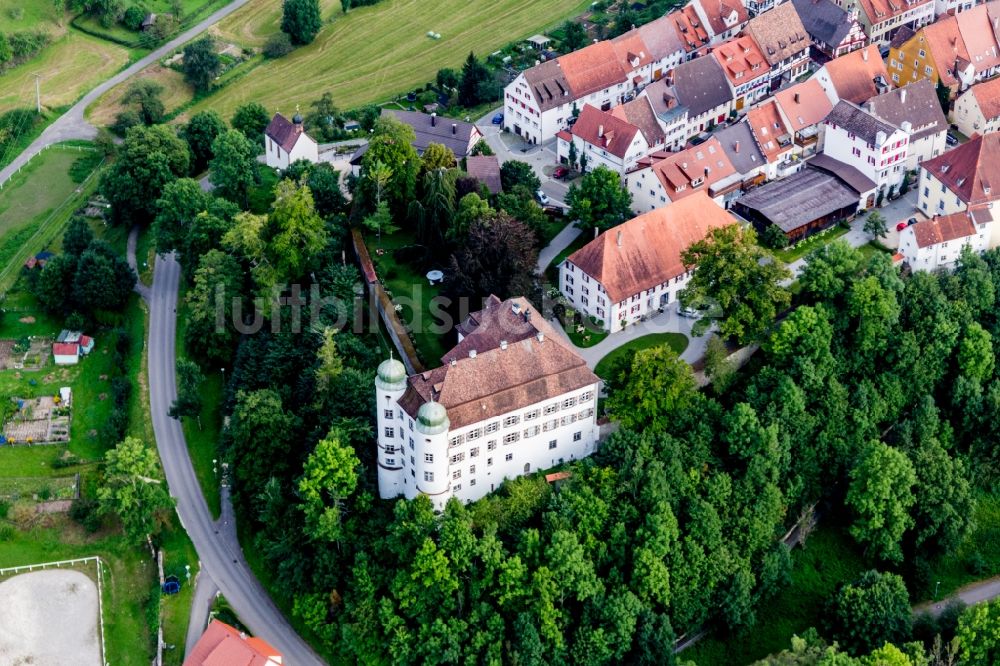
x,y
508,146
73,125
667,321
216,542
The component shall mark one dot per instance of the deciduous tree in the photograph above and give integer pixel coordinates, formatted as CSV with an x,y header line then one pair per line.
x,y
200,133
329,476
651,388
233,166
869,612
201,63
300,20
189,381
251,119
599,201
881,496
498,257
133,490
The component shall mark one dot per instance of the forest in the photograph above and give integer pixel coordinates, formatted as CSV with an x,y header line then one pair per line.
x,y
873,402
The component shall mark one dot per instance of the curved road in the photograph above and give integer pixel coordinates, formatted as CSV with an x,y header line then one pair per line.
x,y
216,543
72,124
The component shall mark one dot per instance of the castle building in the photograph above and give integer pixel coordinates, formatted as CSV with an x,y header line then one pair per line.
x,y
511,398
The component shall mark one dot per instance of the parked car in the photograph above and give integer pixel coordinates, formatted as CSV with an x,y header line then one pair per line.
x,y
553,211
560,172
688,312
951,139
498,119
542,198
901,226
910,222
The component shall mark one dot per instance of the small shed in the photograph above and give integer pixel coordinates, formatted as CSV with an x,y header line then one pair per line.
x,y
538,41
66,353
86,344
65,396
148,21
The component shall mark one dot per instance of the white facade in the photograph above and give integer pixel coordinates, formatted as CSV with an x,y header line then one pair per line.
x,y
926,147
935,198
303,149
425,456
879,33
942,7
589,297
599,156
884,161
941,255
969,117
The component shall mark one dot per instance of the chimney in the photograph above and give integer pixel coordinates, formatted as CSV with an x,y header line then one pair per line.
x,y
796,98
472,353
736,147
706,172
864,54
684,165
880,138
600,131
503,344
454,362
540,336
902,95
619,240
906,126
454,128
434,118
527,314
515,307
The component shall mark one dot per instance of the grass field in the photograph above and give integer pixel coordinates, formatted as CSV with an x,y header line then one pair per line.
x,y
677,341
175,93
69,66
790,254
375,52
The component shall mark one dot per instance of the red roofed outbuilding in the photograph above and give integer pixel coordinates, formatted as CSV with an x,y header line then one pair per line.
x,y
223,645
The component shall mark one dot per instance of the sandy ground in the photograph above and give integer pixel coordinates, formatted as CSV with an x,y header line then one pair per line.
x,y
49,618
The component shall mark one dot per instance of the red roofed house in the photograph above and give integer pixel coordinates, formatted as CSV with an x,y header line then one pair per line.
x,y
222,645
634,269
966,177
880,18
856,76
803,109
937,243
286,142
775,139
664,178
746,69
609,139
977,110
722,18
66,353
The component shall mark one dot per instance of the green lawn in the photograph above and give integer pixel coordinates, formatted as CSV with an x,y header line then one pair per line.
x,y
677,341
36,203
408,286
359,64
588,338
872,248
982,544
796,252
828,559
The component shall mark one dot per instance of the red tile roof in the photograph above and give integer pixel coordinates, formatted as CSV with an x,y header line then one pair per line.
x,y
718,11
773,137
780,33
987,96
604,130
853,74
223,645
804,104
742,60
65,349
692,33
283,132
945,45
979,36
942,229
591,69
707,161
879,11
646,250
971,170
639,112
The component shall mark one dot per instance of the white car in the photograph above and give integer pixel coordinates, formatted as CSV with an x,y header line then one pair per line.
x,y
542,198
688,312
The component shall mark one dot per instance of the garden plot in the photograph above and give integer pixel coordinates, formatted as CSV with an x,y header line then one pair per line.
x,y
26,354
38,421
50,617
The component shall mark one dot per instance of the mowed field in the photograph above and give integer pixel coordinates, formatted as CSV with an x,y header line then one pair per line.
x,y
175,92
69,67
375,52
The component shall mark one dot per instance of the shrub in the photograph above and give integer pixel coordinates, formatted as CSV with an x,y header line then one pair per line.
x,y
22,514
6,532
278,44
125,121
132,18
85,511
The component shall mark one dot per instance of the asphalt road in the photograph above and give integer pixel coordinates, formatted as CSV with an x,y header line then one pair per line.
x,y
73,125
216,543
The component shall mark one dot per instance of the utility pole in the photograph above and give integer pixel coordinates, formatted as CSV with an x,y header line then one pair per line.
x,y
38,93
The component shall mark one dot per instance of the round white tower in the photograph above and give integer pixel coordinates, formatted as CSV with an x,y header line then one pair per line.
x,y
432,453
390,383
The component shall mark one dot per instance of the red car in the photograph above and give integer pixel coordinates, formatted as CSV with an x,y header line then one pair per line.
x,y
901,226
560,172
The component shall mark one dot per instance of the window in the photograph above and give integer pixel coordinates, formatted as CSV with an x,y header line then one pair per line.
x,y
551,409
489,462
472,482
577,436
531,432
511,420
457,474
533,414
456,440
922,53
412,461
492,427
390,461
389,432
474,452
550,425
927,71
388,414
509,457
411,443
895,77
473,435
456,487
428,457
428,476
491,445
569,402
457,458
511,437
587,396
552,444
390,449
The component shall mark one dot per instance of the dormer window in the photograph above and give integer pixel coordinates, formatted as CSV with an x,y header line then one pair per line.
x,y
697,181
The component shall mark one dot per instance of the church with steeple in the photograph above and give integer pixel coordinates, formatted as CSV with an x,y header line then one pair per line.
x,y
511,398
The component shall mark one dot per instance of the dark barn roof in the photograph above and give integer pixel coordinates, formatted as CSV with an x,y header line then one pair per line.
x,y
796,201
